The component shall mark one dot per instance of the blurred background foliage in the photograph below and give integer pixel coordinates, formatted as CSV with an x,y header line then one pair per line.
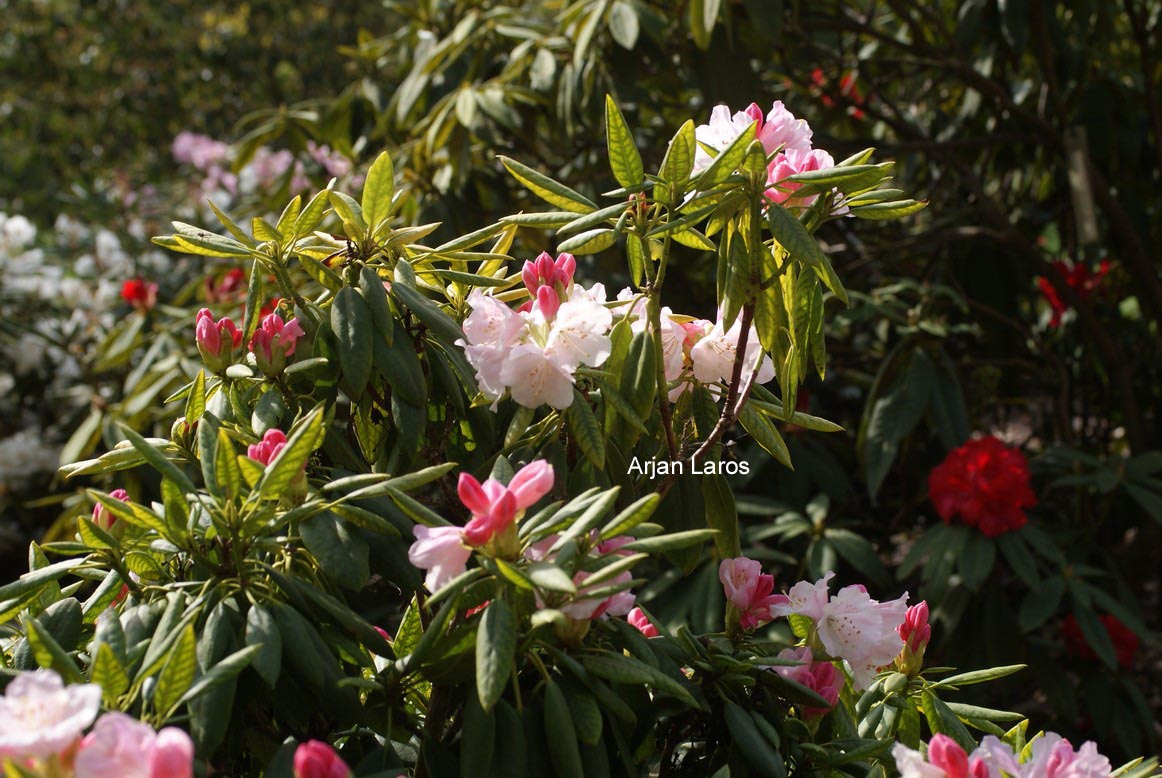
x,y
1025,301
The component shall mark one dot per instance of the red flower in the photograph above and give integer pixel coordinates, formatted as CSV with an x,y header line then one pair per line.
x,y
986,484
1078,278
231,286
1125,642
269,308
139,293
847,87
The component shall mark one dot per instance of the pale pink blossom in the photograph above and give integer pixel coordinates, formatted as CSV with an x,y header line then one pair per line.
x,y
946,759
316,759
490,331
778,129
199,151
1053,757
535,378
119,746
274,342
40,716
790,163
713,355
217,341
640,621
583,608
334,163
823,678
440,551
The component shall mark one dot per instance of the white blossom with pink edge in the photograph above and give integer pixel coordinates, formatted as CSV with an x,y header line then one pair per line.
x,y
1051,756
41,717
534,352
850,625
713,354
779,128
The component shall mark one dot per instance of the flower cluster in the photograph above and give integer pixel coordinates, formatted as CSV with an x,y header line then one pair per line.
x,y
42,722
849,625
1050,756
781,134
495,508
534,353
986,484
1124,640
1083,281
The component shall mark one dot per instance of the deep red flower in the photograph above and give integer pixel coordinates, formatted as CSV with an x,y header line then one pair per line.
x,y
986,484
1125,641
847,87
231,286
139,293
1077,277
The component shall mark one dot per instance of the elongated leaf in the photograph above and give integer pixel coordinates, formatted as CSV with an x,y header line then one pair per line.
x,y
378,189
802,246
495,649
586,432
624,159
177,673
353,325
547,189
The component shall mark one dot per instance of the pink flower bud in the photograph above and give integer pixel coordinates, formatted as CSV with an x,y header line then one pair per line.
x,y
566,266
472,494
531,483
316,759
915,631
945,753
265,450
755,114
545,268
273,342
173,755
642,623
217,341
102,517
548,301
528,274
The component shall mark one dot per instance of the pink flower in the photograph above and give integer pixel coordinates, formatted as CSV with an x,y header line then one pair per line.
x,y
40,716
588,608
102,516
173,754
217,341
749,590
642,623
231,286
791,163
440,551
545,271
850,625
779,128
139,293
915,632
495,507
199,151
118,747
316,759
273,342
265,450
822,678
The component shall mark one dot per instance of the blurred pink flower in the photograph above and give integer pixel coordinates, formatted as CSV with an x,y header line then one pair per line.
x,y
40,716
316,759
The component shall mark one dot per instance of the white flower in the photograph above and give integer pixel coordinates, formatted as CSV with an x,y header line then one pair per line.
x,y
40,716
578,335
779,128
722,130
713,355
536,378
862,631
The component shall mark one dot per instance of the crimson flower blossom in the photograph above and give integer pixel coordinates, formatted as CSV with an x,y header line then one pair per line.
x,y
139,293
986,484
1124,640
1079,278
273,343
316,759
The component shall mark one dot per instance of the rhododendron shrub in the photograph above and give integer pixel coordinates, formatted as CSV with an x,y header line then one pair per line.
x,y
401,524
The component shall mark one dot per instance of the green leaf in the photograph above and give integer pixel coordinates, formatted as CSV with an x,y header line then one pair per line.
x,y
108,673
341,554
586,714
589,242
495,649
765,434
548,576
262,631
727,160
177,673
1096,634
353,325
547,189
979,676
477,738
158,460
623,24
802,246
378,189
49,653
634,514
310,216
227,472
721,515
755,748
671,541
623,669
586,432
624,159
196,399
703,15
679,160
892,210
942,720
560,734
223,671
